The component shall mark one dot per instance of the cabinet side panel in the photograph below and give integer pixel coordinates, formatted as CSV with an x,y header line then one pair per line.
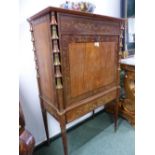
x,y
41,30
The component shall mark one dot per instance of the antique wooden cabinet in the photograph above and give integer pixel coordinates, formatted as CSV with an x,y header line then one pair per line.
x,y
127,105
77,62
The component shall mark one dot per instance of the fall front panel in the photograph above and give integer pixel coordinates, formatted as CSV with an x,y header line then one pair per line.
x,y
90,66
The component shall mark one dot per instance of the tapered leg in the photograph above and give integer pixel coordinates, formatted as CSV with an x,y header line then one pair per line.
x,y
116,115
44,113
64,137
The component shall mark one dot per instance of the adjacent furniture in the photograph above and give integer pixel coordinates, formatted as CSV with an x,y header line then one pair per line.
x,y
127,105
26,140
77,62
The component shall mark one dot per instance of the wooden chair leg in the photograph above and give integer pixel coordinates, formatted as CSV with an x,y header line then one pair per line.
x,y
44,113
64,137
26,143
116,115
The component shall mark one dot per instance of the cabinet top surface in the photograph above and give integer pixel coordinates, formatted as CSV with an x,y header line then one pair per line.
x,y
128,61
49,9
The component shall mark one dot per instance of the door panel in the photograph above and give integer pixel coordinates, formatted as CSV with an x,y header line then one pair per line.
x,y
91,66
99,64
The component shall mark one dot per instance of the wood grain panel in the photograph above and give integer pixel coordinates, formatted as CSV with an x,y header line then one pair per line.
x,y
92,65
99,64
41,32
77,58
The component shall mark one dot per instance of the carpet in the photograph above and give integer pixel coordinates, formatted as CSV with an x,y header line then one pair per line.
x,y
96,137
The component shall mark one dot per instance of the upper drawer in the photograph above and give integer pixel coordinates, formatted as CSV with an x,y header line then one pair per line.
x,y
75,24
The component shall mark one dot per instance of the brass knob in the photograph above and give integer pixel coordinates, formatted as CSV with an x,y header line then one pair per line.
x,y
54,32
53,20
57,72
55,47
56,59
58,83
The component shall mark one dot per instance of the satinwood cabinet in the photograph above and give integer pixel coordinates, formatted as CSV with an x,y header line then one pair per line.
x,y
77,62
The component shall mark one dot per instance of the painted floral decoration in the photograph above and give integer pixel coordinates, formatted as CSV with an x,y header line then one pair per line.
x,y
79,6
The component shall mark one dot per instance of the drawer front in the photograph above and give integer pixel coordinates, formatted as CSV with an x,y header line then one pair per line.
x,y
74,24
90,105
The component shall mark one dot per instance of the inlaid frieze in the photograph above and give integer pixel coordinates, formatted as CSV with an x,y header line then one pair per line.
x,y
76,25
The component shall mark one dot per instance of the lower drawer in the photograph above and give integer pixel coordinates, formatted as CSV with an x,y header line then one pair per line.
x,y
89,106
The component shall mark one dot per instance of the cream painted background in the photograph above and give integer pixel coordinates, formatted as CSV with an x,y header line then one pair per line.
x,y
28,85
